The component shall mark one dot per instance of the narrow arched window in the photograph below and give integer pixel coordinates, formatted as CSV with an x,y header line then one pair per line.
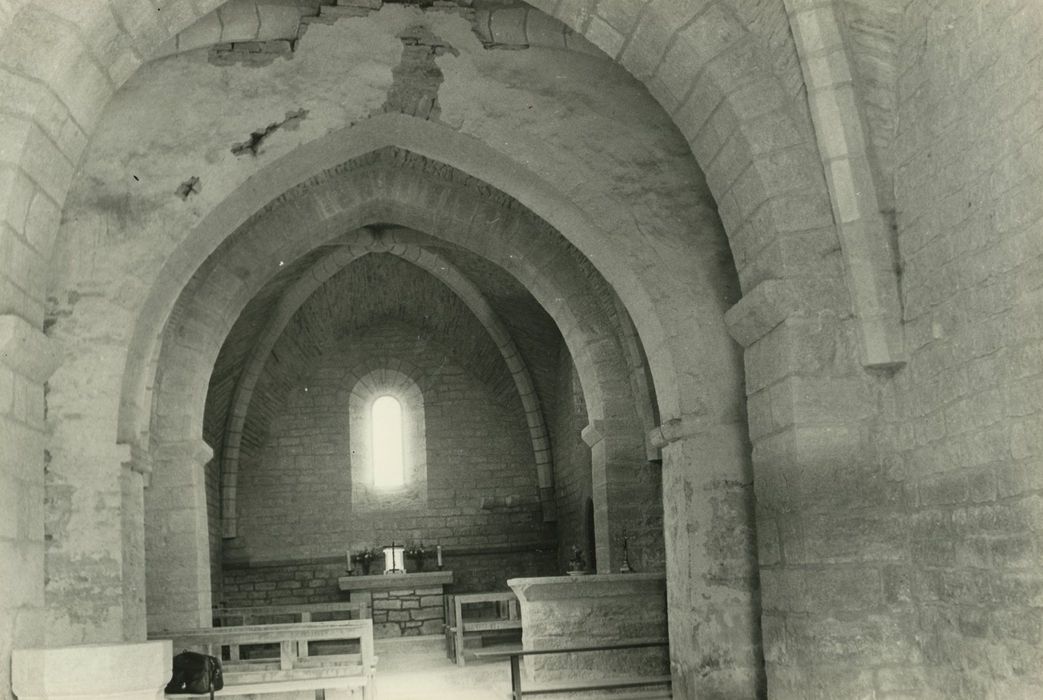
x,y
386,433
388,462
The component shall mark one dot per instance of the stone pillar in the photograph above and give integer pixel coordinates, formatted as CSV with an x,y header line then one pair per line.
x,y
87,530
711,562
27,360
94,590
831,514
136,671
134,477
627,494
177,550
564,611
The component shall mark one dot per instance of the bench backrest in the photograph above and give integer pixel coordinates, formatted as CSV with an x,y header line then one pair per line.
x,y
268,614
293,639
497,597
506,605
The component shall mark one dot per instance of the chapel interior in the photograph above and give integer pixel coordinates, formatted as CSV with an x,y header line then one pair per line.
x,y
709,327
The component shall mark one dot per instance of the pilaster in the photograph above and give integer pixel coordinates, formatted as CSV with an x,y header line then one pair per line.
x,y
177,559
711,560
627,495
27,360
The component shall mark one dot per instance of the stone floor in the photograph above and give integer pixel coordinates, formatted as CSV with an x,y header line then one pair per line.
x,y
416,668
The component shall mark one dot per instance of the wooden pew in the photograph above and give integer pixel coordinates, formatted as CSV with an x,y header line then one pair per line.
x,y
458,624
275,614
252,666
279,614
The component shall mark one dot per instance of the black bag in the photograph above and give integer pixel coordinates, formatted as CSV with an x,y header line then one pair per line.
x,y
196,674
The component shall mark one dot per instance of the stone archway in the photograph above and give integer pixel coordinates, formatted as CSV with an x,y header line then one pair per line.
x,y
759,194
722,442
345,200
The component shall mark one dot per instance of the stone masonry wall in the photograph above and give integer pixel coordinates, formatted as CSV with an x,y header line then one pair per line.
x,y
968,405
295,491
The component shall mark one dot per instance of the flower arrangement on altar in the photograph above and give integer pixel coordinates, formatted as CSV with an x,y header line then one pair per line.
x,y
417,553
365,557
578,563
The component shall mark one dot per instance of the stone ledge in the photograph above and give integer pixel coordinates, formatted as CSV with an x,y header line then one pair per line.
x,y
423,579
589,586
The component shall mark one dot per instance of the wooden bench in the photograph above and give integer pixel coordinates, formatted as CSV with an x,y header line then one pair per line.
x,y
260,659
275,614
279,614
458,625
659,684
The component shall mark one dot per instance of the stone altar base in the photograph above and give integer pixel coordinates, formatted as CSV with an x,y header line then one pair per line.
x,y
403,605
133,671
409,612
568,611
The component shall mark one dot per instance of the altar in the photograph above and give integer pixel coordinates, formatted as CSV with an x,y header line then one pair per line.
x,y
403,605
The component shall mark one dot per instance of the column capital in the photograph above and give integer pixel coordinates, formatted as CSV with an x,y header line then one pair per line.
x,y
593,433
196,451
762,308
26,350
137,460
601,428
675,429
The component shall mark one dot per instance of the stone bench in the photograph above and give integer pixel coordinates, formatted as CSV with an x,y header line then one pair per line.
x,y
458,625
652,686
251,668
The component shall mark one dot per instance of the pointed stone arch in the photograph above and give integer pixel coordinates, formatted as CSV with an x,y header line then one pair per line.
x,y
311,280
399,188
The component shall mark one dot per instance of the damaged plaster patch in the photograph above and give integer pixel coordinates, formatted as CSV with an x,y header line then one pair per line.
x,y
251,53
189,187
416,79
257,138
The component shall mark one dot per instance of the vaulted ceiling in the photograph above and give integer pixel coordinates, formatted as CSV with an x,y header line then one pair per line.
x,y
379,288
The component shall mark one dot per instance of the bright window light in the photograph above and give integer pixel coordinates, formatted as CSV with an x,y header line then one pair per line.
x,y
388,464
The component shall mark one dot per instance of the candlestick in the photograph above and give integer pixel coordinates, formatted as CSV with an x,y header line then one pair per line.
x,y
438,552
625,568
